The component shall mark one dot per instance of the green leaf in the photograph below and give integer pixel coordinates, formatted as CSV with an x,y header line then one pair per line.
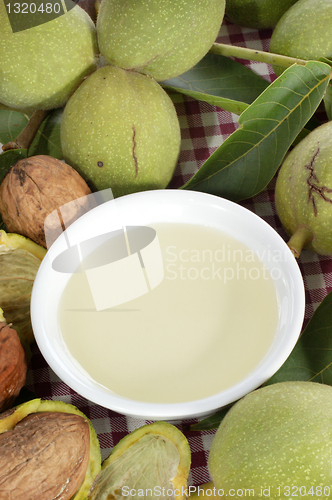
x,y
245,163
328,101
11,125
325,60
220,81
7,160
235,107
211,422
47,140
311,358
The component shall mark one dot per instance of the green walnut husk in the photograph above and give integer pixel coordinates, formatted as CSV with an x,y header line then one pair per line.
x,y
275,439
258,14
303,31
9,419
41,66
159,39
20,259
153,457
303,193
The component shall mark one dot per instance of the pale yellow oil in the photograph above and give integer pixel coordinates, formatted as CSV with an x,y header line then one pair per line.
x,y
205,327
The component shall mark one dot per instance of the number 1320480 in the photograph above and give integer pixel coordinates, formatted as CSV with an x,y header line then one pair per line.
x,y
301,491
32,8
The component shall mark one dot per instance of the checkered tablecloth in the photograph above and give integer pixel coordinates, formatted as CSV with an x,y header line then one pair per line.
x,y
204,128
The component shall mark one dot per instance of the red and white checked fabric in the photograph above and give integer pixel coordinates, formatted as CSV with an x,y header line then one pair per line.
x,y
204,128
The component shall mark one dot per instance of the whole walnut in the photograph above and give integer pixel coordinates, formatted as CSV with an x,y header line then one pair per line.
x,y
13,365
46,453
33,188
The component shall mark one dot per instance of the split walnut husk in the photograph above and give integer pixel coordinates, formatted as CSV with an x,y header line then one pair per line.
x,y
13,364
48,449
20,259
152,461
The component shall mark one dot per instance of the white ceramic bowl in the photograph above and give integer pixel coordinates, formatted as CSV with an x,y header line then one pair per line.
x,y
169,206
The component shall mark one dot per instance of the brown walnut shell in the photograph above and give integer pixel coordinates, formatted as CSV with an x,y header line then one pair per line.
x,y
36,186
90,6
45,456
13,366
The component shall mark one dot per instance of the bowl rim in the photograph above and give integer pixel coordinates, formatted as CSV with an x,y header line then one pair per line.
x,y
191,409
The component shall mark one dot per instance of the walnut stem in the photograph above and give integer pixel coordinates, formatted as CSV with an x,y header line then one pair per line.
x,y
26,137
301,236
255,55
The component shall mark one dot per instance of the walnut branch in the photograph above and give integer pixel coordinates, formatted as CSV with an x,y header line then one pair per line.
x,y
26,137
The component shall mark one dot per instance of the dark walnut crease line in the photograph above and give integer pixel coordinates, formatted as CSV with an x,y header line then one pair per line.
x,y
313,187
134,151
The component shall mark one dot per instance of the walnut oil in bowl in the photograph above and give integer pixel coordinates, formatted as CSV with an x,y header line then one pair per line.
x,y
204,313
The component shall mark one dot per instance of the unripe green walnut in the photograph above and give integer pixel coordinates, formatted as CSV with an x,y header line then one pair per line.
x,y
42,66
276,442
162,39
259,14
303,194
304,31
120,130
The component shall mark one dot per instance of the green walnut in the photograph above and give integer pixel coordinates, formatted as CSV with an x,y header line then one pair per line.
x,y
276,442
303,31
258,14
41,67
303,193
161,39
120,130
